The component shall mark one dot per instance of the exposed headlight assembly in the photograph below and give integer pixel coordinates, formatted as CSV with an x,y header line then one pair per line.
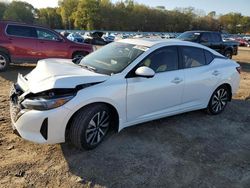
x,y
45,104
51,98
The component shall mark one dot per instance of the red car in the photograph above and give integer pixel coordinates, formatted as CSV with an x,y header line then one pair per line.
x,y
242,42
21,43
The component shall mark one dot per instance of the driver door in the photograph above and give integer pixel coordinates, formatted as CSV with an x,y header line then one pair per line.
x,y
149,98
51,45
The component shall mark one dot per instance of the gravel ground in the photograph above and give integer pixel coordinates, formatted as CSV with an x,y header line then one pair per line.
x,y
187,150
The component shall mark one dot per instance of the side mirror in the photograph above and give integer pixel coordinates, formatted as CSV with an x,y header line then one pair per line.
x,y
145,72
58,39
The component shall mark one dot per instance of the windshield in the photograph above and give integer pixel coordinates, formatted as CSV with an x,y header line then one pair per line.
x,y
189,36
112,58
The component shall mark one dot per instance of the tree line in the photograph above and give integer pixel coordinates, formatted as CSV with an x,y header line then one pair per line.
x,y
123,16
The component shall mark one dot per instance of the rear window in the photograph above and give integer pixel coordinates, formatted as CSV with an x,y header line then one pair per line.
x,y
206,37
21,31
216,37
209,57
192,57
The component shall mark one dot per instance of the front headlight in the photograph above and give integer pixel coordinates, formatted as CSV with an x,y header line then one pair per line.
x,y
45,104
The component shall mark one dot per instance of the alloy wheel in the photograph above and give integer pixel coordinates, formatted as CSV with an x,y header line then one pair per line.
x,y
228,54
97,127
219,100
3,62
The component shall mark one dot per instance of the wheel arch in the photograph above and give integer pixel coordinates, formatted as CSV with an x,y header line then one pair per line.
x,y
5,51
114,111
78,51
229,48
228,86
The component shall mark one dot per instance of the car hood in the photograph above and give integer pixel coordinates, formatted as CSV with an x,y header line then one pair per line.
x,y
57,73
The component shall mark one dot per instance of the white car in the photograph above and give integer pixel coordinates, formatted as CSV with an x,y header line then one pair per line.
x,y
122,84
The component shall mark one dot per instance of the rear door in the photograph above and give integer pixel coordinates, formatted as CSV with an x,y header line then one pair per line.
x,y
217,42
51,44
200,77
152,97
22,42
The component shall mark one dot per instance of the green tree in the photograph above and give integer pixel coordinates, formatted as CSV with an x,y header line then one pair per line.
x,y
245,22
67,10
50,17
3,7
20,11
128,15
231,22
87,15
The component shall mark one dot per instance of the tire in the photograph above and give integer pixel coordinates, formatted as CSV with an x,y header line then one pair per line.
x,y
218,100
77,57
4,61
89,126
228,54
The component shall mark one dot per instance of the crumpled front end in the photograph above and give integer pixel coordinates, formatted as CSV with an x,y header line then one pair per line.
x,y
40,126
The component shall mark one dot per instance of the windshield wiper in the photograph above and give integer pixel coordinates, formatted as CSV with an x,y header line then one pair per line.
x,y
93,69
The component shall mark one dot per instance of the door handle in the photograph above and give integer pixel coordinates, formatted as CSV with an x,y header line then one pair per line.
x,y
216,73
177,80
10,38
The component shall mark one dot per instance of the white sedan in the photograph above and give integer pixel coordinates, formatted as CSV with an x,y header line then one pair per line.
x,y
122,84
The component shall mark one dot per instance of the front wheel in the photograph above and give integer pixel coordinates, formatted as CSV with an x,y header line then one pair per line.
x,y
77,57
218,101
4,61
89,126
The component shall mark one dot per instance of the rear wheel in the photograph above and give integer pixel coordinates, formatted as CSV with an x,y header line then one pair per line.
x,y
89,126
4,61
228,54
218,101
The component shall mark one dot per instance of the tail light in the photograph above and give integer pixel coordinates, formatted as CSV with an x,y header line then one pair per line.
x,y
238,69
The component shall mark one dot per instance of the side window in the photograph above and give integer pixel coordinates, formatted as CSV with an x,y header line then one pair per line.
x,y
46,34
21,31
206,37
164,59
209,57
192,57
216,37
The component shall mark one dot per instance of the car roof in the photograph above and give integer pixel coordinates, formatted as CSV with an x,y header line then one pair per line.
x,y
168,42
22,24
149,42
202,31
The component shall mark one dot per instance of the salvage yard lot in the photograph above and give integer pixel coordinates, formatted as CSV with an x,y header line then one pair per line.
x,y
187,150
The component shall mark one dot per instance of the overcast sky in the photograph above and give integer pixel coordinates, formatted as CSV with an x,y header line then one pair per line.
x,y
220,6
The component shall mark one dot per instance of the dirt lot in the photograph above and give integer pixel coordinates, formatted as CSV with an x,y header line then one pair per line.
x,y
187,150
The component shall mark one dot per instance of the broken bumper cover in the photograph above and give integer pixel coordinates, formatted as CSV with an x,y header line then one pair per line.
x,y
31,124
47,127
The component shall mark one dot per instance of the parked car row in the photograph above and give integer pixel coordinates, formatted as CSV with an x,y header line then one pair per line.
x,y
105,38
243,40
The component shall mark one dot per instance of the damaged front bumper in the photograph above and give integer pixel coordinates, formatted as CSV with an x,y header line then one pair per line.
x,y
37,126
